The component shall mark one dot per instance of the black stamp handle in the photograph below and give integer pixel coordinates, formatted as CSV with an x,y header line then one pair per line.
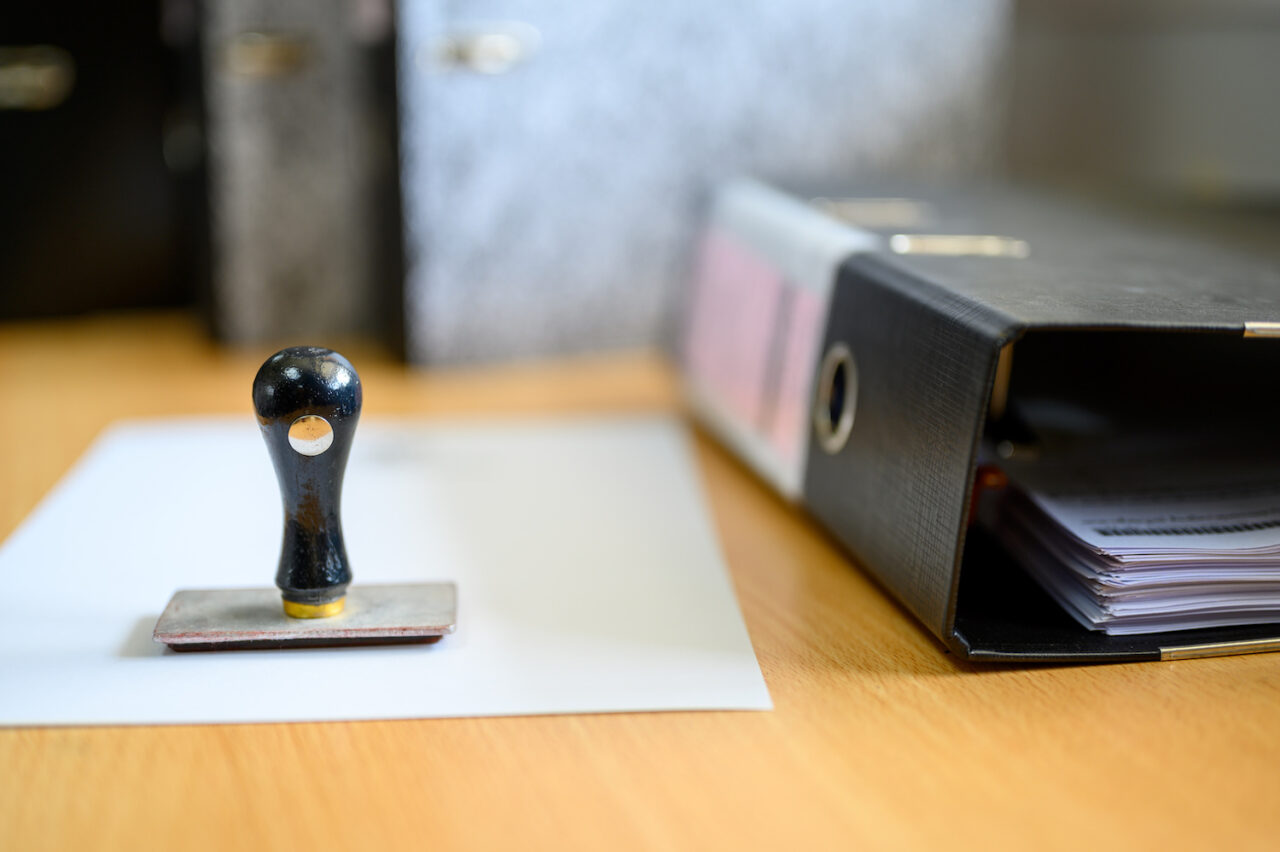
x,y
308,404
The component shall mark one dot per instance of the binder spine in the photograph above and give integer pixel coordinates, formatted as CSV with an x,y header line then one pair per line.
x,y
761,286
896,493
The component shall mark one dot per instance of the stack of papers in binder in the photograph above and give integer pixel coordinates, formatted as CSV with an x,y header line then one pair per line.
x,y
1143,548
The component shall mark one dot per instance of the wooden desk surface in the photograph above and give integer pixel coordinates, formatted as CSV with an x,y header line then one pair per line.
x,y
878,737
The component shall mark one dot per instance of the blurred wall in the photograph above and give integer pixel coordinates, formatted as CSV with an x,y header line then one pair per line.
x,y
1175,96
555,157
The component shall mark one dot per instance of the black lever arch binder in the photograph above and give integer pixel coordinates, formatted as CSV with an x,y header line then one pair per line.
x,y
858,351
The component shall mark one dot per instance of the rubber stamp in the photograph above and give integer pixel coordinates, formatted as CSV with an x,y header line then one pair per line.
x,y
307,402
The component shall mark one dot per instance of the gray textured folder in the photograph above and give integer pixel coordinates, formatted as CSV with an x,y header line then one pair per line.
x,y
891,347
585,139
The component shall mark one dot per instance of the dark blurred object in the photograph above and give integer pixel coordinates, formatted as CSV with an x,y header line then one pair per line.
x,y
101,158
303,168
1166,96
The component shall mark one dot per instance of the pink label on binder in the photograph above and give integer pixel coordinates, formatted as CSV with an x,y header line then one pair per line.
x,y
799,357
735,303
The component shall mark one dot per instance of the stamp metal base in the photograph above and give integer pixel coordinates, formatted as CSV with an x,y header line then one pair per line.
x,y
245,619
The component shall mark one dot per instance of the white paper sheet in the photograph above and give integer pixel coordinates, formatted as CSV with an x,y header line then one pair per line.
x,y
1141,514
589,577
1145,548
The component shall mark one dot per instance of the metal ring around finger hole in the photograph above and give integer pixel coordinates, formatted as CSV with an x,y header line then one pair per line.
x,y
837,398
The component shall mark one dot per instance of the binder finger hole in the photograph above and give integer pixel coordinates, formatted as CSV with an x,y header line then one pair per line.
x,y
837,398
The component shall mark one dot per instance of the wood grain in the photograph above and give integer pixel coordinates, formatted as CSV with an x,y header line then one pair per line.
x,y
879,738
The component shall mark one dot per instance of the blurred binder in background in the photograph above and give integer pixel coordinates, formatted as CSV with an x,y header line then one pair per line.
x,y
304,184
102,196
556,159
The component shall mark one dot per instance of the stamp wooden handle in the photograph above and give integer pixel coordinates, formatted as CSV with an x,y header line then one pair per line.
x,y
308,403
